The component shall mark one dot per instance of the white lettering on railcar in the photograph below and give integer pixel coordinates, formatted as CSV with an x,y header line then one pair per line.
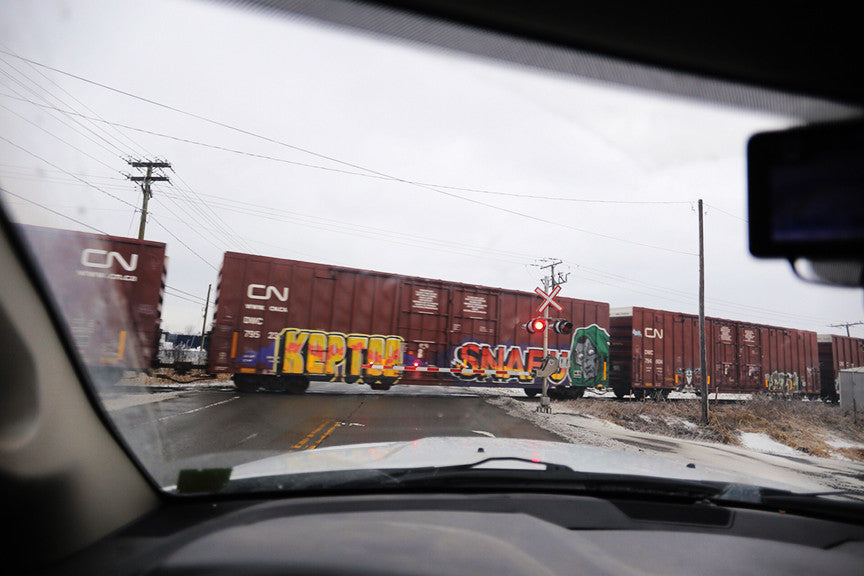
x,y
253,320
95,258
263,292
653,333
122,277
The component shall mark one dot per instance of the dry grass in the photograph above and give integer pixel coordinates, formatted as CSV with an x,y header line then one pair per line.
x,y
804,426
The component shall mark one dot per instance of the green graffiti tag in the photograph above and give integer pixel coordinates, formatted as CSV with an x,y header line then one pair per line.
x,y
783,383
589,357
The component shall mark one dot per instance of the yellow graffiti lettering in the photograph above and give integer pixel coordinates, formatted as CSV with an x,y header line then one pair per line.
x,y
292,357
392,355
375,354
336,355
336,351
316,352
356,344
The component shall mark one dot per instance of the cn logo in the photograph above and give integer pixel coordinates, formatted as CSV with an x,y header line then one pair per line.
x,y
94,258
653,333
262,292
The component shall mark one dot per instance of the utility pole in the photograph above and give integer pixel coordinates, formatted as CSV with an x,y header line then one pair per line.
x,y
846,325
702,355
145,181
206,309
549,283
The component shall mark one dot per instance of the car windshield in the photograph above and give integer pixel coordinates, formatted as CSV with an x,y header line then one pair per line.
x,y
280,244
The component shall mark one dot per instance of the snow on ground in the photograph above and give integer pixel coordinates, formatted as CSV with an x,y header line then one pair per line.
x,y
763,443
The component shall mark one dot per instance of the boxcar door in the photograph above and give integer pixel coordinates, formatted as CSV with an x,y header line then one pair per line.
x,y
750,355
725,357
424,308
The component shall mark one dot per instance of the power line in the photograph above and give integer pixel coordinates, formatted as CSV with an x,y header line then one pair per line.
x,y
5,191
107,146
57,137
68,173
349,164
52,94
259,156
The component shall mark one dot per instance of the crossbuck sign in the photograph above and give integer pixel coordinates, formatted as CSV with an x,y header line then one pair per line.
x,y
548,299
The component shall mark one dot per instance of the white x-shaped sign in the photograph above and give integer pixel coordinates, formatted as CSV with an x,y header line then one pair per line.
x,y
548,299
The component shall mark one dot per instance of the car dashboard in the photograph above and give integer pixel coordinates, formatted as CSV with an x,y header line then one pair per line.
x,y
471,533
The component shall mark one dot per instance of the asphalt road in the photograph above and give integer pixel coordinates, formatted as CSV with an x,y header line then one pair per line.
x,y
203,428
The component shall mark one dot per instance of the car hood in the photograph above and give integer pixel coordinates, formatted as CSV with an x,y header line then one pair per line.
x,y
453,451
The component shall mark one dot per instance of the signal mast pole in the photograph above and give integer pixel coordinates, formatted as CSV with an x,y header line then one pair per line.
x,y
549,283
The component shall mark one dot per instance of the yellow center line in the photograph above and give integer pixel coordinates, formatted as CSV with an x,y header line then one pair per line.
x,y
323,436
299,445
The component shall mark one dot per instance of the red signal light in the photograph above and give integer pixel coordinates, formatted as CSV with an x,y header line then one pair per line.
x,y
536,325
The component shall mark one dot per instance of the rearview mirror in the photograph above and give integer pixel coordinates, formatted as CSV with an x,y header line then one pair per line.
x,y
806,196
806,192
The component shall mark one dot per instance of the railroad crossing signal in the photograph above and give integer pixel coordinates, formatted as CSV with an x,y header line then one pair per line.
x,y
548,299
559,325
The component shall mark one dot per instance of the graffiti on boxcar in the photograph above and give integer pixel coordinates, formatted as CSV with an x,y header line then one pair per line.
x,y
783,382
331,356
589,357
260,357
688,377
482,356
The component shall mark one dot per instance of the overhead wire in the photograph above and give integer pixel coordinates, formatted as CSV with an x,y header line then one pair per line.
x,y
116,143
106,145
55,212
348,164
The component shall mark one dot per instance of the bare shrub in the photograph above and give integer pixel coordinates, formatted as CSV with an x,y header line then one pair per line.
x,y
805,426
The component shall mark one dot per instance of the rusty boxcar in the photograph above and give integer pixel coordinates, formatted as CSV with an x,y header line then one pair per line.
x,y
658,351
279,324
837,353
109,290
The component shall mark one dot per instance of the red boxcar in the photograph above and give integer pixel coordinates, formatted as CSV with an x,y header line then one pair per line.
x,y
659,350
109,290
837,353
280,323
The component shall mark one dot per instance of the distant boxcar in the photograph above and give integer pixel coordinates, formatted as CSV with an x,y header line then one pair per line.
x,y
657,351
837,353
109,290
279,324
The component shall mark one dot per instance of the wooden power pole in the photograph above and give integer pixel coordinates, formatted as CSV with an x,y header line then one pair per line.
x,y
702,360
145,181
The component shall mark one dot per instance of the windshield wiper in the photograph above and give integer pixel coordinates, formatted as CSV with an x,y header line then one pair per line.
x,y
523,474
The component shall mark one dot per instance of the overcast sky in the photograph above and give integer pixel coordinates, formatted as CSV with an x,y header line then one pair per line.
x,y
294,140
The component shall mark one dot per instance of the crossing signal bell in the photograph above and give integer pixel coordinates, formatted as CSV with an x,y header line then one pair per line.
x,y
536,325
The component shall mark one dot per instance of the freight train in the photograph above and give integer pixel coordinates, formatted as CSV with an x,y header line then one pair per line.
x,y
657,351
280,324
108,290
